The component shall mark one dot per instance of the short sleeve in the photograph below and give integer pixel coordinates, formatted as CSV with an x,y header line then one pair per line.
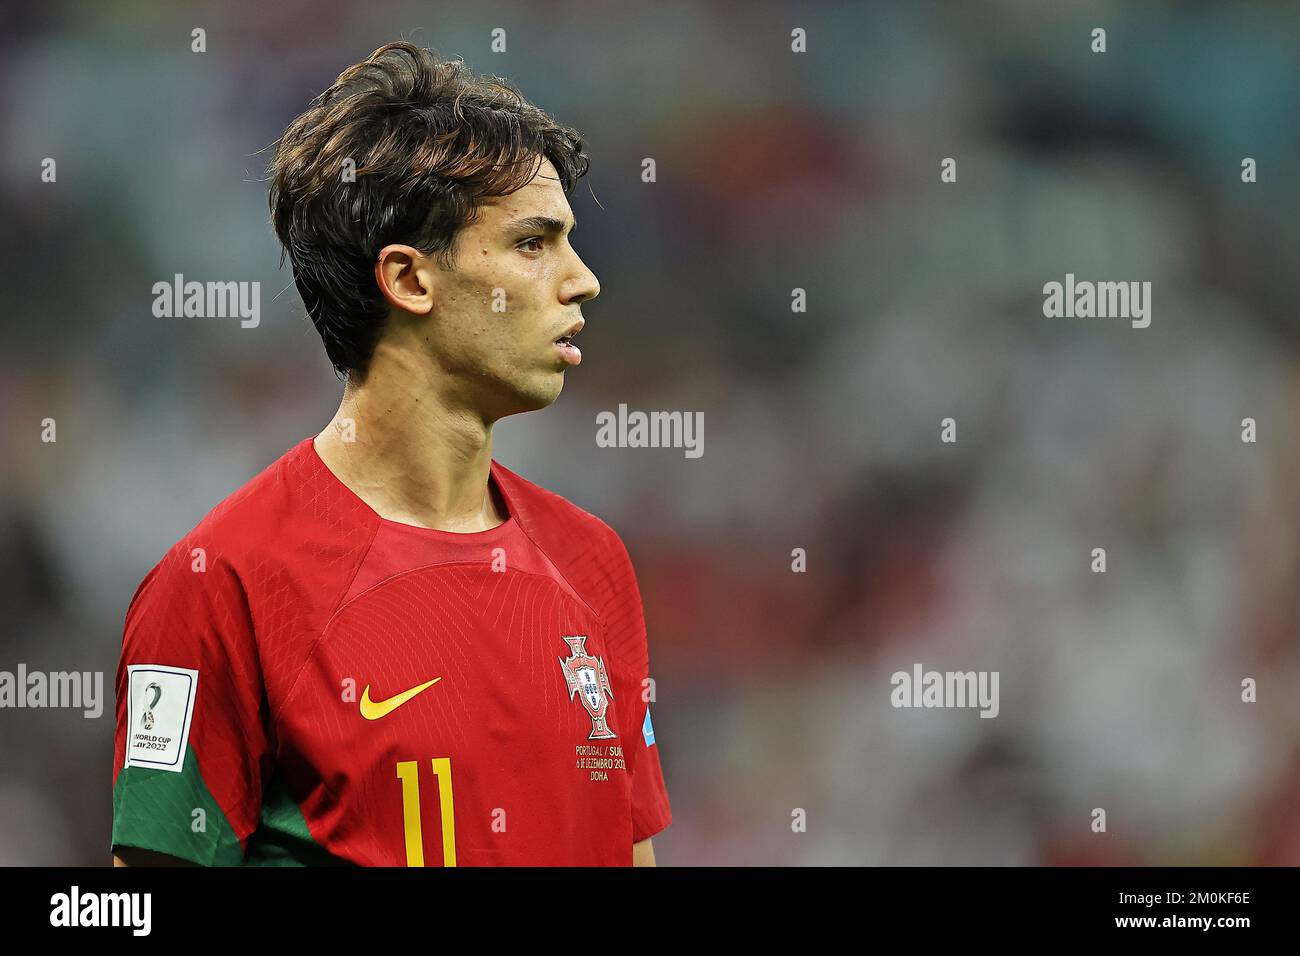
x,y
191,749
626,639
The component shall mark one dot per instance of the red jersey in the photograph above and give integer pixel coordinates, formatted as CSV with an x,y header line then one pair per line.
x,y
305,682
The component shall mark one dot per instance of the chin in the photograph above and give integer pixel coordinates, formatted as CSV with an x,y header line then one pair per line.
x,y
536,396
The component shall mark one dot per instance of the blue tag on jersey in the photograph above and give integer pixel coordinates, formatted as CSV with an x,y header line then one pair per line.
x,y
648,730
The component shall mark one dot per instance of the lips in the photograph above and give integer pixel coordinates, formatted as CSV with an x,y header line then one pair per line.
x,y
567,337
568,351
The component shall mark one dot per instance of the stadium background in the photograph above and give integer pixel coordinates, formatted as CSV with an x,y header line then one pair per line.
x,y
775,171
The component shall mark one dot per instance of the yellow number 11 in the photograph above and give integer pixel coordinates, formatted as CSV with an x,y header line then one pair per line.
x,y
408,773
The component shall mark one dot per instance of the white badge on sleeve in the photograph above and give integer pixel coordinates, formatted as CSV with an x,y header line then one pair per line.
x,y
160,706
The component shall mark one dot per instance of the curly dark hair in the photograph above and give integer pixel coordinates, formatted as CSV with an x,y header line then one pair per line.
x,y
428,140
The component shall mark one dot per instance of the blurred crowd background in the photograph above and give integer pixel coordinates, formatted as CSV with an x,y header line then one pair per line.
x,y
775,170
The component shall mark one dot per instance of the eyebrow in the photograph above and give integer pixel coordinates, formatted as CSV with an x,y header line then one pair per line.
x,y
544,224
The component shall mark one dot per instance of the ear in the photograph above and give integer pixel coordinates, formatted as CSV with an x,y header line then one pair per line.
x,y
406,277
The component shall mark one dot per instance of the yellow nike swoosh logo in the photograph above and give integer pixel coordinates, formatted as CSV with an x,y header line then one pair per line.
x,y
374,709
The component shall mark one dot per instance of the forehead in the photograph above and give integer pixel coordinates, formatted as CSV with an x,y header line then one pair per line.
x,y
543,195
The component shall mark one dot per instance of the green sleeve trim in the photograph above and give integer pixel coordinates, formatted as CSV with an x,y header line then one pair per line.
x,y
155,810
282,837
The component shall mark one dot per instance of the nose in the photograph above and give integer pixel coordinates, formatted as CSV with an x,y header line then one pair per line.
x,y
582,285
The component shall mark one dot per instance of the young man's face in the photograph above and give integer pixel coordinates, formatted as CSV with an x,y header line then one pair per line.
x,y
490,325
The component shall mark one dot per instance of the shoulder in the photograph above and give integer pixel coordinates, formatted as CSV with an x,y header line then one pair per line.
x,y
592,558
554,521
586,550
282,531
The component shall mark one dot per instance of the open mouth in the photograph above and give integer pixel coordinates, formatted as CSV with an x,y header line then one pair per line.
x,y
568,351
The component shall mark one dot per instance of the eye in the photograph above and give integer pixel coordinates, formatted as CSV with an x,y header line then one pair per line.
x,y
537,239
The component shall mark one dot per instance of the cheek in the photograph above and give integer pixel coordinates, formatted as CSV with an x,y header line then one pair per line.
x,y
522,309
507,292
500,303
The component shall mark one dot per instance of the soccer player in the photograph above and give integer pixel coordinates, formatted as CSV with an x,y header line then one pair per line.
x,y
387,648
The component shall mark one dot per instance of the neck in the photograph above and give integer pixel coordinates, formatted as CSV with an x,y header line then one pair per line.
x,y
417,456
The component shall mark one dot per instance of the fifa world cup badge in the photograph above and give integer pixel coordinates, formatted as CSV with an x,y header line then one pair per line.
x,y
586,675
147,719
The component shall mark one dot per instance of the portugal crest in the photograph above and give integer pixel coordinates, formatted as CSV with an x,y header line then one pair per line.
x,y
586,675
